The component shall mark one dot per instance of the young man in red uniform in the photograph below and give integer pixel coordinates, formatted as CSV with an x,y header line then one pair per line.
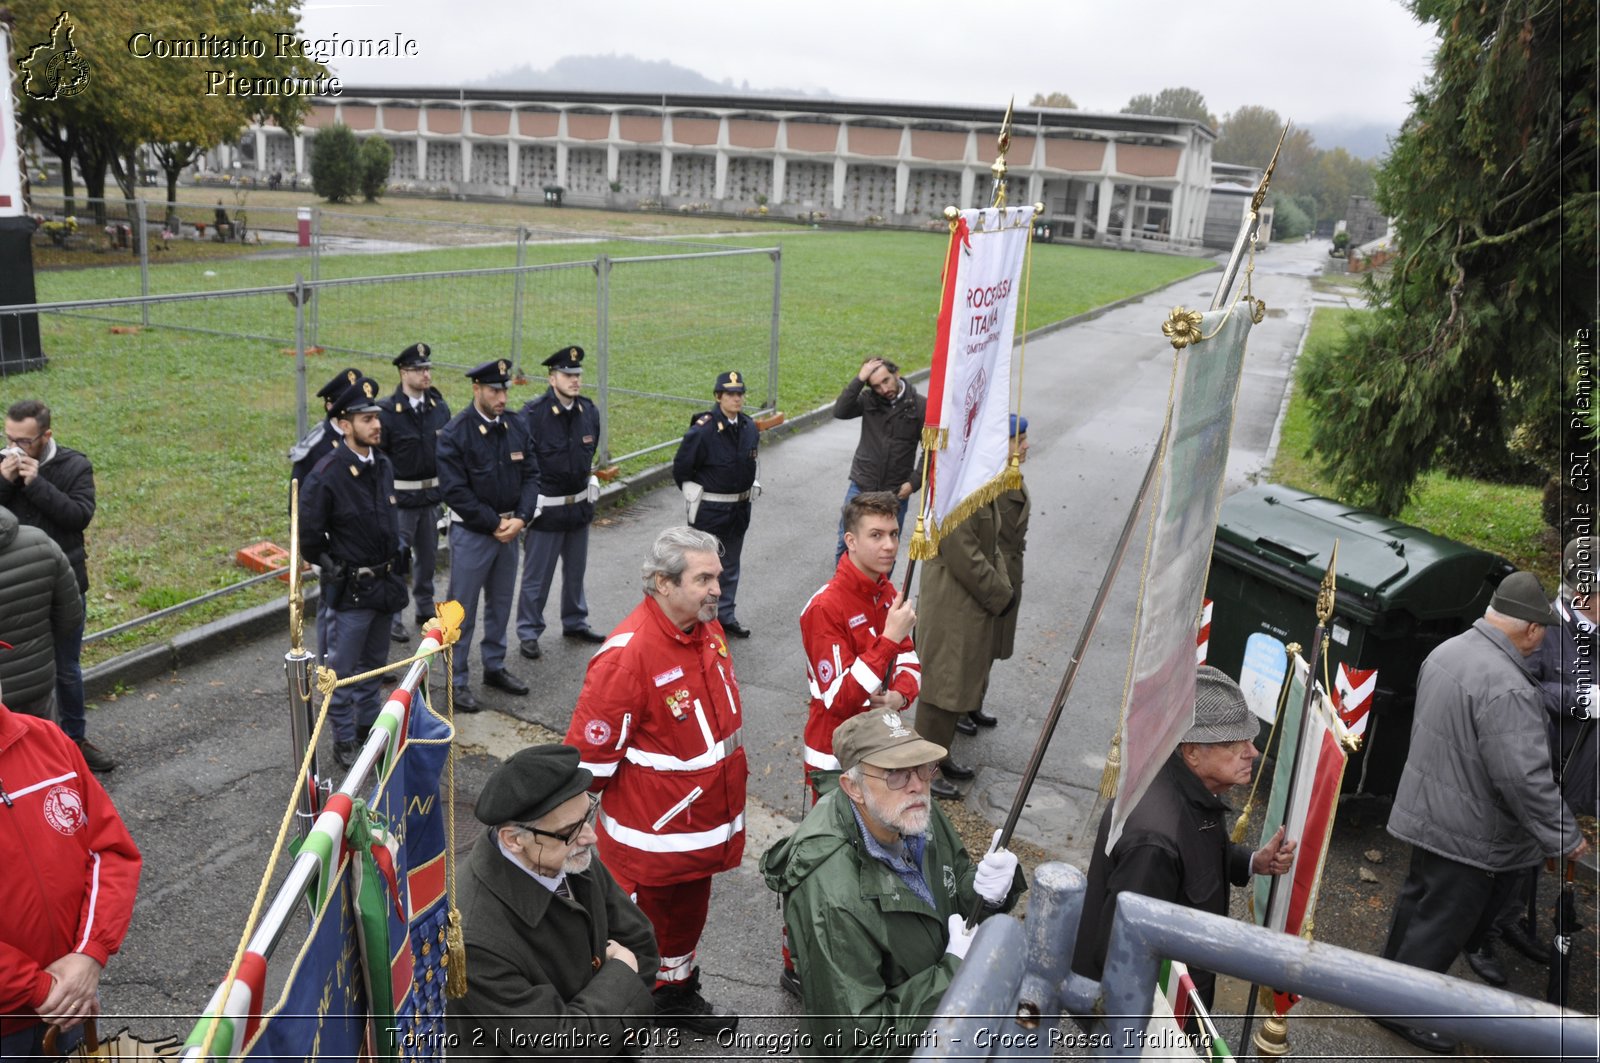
x,y
857,632
659,725
67,894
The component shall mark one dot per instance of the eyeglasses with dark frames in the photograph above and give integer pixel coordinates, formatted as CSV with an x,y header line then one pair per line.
x,y
899,778
566,837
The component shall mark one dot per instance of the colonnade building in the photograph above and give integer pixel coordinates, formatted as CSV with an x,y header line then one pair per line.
x,y
1118,179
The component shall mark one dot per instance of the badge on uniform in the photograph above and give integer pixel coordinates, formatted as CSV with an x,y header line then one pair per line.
x,y
858,620
721,644
393,500
678,704
516,455
587,440
353,470
483,429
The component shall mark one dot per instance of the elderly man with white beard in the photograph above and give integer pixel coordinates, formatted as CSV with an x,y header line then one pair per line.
x,y
559,961
877,888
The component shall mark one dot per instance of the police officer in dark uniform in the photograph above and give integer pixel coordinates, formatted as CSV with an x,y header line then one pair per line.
x,y
412,417
490,478
324,437
349,526
715,467
565,428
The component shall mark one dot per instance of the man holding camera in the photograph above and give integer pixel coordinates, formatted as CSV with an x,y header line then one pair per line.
x,y
350,527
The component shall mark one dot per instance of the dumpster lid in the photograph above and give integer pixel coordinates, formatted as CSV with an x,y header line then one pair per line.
x,y
1386,561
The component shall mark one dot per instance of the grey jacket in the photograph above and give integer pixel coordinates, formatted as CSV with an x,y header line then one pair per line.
x,y
39,603
1477,787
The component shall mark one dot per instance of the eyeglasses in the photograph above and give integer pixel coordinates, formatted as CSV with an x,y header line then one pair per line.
x,y
565,837
23,443
897,778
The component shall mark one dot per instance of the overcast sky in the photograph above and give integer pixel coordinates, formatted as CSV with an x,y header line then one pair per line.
x,y
1311,61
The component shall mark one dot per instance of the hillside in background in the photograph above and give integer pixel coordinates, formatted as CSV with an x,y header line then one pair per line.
x,y
623,73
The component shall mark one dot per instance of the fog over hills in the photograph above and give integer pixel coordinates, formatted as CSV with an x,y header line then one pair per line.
x,y
623,73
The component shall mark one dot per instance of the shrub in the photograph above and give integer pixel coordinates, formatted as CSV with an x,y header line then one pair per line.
x,y
335,164
376,159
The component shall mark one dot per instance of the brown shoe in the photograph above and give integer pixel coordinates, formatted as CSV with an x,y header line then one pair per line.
x,y
97,759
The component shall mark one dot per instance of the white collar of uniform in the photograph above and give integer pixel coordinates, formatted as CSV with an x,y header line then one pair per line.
x,y
481,417
1564,603
546,881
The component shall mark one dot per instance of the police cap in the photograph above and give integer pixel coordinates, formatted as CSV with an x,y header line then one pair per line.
x,y
345,378
360,397
566,360
533,782
493,374
731,381
416,356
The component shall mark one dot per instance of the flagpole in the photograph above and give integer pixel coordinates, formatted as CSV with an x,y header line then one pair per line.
x,y
1325,600
1247,231
297,668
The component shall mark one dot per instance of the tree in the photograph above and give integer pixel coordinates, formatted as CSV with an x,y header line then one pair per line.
x,y
1173,103
1333,178
376,158
1463,363
1053,99
1289,219
335,163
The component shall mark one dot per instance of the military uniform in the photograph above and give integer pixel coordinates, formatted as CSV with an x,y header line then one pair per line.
x,y
411,439
487,470
564,438
349,527
717,462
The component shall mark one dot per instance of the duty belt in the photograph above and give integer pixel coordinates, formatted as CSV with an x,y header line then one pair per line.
x,y
712,496
551,501
416,485
455,518
370,571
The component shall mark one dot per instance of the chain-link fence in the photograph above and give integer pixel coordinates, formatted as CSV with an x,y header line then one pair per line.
x,y
188,399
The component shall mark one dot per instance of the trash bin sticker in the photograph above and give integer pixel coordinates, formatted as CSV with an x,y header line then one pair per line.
x,y
1341,634
1266,662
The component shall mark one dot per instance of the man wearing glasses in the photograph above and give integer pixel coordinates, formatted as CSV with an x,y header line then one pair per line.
x,y
559,961
877,889
412,417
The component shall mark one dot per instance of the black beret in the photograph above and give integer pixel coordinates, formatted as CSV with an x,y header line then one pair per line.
x,y
531,783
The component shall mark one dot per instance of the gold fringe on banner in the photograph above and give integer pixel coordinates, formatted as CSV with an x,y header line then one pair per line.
x,y
925,540
1113,768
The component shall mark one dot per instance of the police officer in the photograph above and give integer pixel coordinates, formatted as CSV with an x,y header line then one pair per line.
x,y
716,469
412,417
349,526
490,479
324,437
565,429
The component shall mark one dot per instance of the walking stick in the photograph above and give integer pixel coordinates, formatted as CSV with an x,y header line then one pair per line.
x,y
1057,704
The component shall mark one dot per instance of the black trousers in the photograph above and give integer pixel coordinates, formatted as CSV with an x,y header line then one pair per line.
x,y
1444,907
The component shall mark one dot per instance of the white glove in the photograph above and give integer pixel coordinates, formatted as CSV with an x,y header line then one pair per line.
x,y
691,497
996,871
960,936
594,489
755,490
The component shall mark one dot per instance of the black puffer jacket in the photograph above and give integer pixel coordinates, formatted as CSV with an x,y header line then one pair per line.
x,y
39,603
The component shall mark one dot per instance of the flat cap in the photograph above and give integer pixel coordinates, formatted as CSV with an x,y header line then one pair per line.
x,y
1520,597
1220,712
884,740
531,783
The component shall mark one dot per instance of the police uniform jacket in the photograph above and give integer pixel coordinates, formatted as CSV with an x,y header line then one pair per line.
x,y
565,442
487,469
318,443
848,657
411,439
720,456
659,725
348,521
537,968
1174,847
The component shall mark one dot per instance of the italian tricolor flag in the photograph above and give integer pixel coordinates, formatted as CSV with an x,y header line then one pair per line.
x,y
1175,1005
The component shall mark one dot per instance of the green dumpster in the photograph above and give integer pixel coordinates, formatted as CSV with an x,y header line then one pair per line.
x,y
1400,592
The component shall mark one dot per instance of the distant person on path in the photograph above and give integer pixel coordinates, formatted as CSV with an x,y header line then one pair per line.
x,y
490,477
1013,509
350,529
1174,845
565,429
67,893
51,487
892,413
412,418
40,607
660,724
877,888
555,949
1477,799
715,467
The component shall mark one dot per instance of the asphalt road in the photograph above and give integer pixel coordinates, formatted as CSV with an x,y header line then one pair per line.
x,y
205,751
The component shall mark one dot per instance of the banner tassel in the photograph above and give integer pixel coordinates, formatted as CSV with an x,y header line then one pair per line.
x,y
1113,768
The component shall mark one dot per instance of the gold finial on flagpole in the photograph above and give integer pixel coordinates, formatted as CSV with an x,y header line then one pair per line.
x,y
999,166
1326,594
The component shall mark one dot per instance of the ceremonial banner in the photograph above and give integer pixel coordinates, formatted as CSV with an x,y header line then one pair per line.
x,y
1307,813
1160,703
969,393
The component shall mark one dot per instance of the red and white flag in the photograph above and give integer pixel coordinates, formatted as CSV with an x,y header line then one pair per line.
x,y
1352,693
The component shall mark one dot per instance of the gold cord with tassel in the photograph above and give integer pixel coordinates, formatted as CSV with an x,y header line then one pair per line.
x,y
455,944
1113,768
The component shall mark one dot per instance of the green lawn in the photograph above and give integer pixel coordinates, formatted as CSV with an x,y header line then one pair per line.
x,y
188,429
1501,518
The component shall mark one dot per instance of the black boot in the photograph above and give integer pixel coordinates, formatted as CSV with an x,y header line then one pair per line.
x,y
682,1005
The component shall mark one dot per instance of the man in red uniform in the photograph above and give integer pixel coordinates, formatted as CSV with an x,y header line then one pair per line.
x,y
658,724
857,632
67,893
